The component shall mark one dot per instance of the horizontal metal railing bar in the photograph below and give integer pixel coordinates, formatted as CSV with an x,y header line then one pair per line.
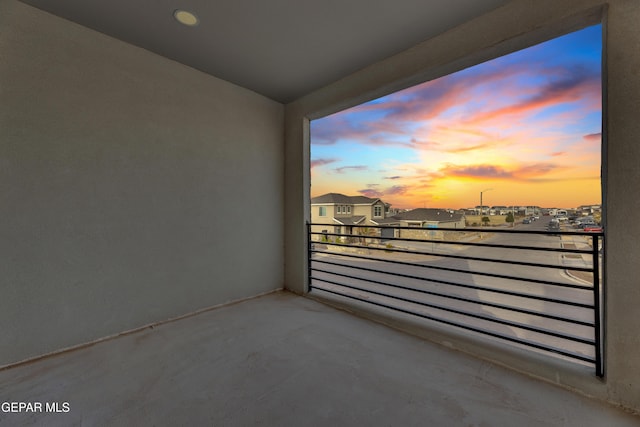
x,y
467,327
466,286
463,299
456,270
499,261
466,313
451,242
480,230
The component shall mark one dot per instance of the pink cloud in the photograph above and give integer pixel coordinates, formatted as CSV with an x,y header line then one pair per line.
x,y
465,149
568,88
395,190
344,169
476,171
534,170
413,105
593,137
370,192
321,162
525,172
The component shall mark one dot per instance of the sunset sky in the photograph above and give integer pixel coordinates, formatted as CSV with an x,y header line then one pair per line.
x,y
526,125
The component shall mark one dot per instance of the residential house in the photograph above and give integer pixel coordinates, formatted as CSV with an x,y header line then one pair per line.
x,y
341,213
482,210
528,210
426,219
499,210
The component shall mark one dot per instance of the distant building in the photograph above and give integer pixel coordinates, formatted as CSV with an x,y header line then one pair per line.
x,y
395,211
528,210
482,210
499,210
588,209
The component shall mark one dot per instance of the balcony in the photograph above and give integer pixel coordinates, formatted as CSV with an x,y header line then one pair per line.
x,y
282,359
137,190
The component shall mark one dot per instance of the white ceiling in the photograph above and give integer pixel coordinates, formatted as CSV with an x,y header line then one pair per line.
x,y
282,49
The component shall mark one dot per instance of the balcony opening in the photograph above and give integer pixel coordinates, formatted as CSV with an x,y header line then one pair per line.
x,y
473,200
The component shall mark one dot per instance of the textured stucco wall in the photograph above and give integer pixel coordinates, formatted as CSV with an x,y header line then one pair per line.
x,y
518,24
132,188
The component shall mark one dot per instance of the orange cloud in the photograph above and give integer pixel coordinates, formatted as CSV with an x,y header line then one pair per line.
x,y
465,149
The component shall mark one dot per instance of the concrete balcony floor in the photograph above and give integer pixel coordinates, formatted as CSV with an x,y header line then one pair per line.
x,y
285,360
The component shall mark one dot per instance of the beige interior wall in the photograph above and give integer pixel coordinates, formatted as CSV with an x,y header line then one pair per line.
x,y
519,24
132,188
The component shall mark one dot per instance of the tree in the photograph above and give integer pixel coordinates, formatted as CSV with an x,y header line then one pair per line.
x,y
485,220
510,219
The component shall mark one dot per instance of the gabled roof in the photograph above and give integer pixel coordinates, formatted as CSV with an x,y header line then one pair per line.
x,y
337,198
425,214
351,220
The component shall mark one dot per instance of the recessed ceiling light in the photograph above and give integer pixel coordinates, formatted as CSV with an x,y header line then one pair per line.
x,y
186,18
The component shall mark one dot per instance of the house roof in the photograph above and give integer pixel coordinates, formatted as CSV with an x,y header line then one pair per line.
x,y
423,214
337,198
351,220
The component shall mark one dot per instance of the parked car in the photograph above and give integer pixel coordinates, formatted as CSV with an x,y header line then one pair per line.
x,y
585,223
526,221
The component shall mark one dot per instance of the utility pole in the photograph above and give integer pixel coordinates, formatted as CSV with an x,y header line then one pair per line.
x,y
481,206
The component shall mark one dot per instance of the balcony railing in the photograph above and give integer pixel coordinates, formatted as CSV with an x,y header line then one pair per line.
x,y
537,289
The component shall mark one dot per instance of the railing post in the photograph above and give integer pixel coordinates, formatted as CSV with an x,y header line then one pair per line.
x,y
308,257
596,305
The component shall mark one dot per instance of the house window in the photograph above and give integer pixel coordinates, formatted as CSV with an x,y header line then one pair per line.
x,y
322,211
377,211
349,209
